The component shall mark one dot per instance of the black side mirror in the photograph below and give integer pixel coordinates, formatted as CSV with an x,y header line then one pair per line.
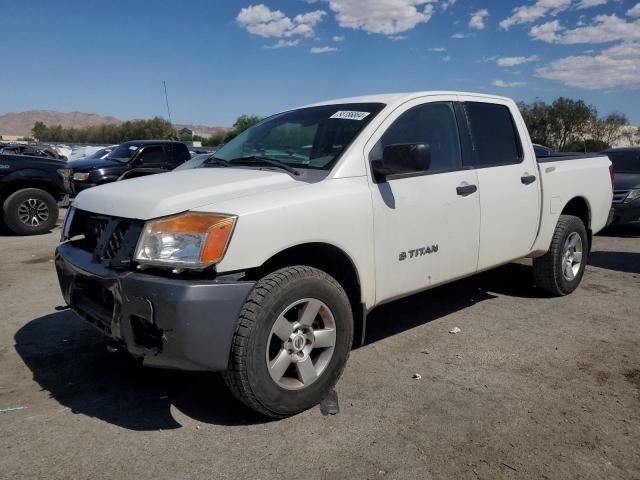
x,y
402,158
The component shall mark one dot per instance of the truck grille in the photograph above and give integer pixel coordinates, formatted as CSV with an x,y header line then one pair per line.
x,y
109,239
620,195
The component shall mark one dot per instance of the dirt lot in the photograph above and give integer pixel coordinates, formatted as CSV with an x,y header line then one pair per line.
x,y
532,387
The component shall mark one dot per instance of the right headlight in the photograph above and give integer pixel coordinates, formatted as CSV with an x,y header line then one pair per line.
x,y
189,240
633,194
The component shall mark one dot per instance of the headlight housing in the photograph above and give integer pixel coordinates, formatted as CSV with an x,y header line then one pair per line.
x,y
189,240
633,194
81,177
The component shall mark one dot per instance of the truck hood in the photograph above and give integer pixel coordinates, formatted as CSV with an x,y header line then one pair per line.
x,y
165,194
626,181
88,164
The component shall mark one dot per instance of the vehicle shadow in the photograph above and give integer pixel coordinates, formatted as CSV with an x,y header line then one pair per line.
x,y
627,262
69,359
513,280
627,230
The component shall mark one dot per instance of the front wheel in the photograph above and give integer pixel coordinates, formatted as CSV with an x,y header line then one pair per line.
x,y
30,211
560,270
292,341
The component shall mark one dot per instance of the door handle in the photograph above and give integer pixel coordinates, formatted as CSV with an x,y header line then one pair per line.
x,y
464,190
527,179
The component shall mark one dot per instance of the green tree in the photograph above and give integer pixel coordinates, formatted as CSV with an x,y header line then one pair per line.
x,y
241,124
156,128
539,121
39,130
570,119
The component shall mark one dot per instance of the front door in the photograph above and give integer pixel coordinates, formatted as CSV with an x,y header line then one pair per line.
x,y
426,225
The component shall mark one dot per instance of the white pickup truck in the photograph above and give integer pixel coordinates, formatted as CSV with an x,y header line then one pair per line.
x,y
265,262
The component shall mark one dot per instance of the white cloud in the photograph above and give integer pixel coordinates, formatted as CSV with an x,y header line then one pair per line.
x,y
323,50
478,18
547,32
582,4
458,36
386,17
282,43
513,61
634,11
447,58
605,28
262,21
438,49
531,13
338,38
397,37
613,67
503,84
446,4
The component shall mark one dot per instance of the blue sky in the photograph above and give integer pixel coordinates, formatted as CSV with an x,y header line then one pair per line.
x,y
218,59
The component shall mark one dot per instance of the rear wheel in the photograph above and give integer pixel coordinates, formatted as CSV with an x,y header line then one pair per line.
x,y
30,211
292,341
560,270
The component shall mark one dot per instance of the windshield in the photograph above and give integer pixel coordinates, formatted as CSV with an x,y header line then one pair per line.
x,y
311,137
625,162
123,153
195,162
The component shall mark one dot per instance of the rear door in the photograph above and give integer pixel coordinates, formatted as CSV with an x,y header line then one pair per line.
x,y
508,183
426,224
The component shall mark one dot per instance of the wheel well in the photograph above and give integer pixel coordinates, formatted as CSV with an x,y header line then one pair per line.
x,y
579,207
329,259
16,185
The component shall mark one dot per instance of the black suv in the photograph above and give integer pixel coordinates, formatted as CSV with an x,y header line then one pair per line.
x,y
626,188
151,155
30,189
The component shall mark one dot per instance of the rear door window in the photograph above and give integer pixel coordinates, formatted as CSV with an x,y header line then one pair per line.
x,y
494,135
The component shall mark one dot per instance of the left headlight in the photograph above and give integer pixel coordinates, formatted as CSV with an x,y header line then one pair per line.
x,y
189,240
633,194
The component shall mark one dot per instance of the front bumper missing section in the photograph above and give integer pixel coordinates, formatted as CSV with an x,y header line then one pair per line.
x,y
171,323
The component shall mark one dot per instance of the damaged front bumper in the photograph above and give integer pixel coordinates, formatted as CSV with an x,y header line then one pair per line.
x,y
168,322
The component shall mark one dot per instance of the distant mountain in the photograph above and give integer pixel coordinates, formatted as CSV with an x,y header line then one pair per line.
x,y
21,123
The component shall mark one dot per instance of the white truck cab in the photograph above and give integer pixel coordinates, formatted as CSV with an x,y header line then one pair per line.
x,y
265,262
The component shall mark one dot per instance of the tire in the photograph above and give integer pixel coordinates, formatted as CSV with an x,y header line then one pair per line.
x,y
552,271
258,342
30,211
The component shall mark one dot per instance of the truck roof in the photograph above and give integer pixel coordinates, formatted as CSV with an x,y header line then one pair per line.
x,y
390,98
148,142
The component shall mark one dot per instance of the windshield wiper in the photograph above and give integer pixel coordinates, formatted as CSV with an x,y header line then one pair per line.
x,y
258,160
216,161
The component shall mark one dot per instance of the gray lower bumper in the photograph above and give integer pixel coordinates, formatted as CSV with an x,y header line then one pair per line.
x,y
186,324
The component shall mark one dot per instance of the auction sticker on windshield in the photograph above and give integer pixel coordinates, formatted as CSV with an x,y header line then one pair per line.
x,y
350,115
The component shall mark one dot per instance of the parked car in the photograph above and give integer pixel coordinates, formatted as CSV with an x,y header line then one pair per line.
x,y
86,152
30,189
542,151
265,264
32,151
194,162
626,189
160,155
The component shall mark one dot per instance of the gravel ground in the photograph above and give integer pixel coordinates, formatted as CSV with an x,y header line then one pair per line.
x,y
532,387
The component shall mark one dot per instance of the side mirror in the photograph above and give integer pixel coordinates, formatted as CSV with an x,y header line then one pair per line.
x,y
402,158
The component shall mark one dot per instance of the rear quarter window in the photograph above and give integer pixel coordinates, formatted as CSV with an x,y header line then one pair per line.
x,y
494,135
179,153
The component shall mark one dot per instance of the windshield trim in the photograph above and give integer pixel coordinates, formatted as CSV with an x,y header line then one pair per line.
x,y
375,107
